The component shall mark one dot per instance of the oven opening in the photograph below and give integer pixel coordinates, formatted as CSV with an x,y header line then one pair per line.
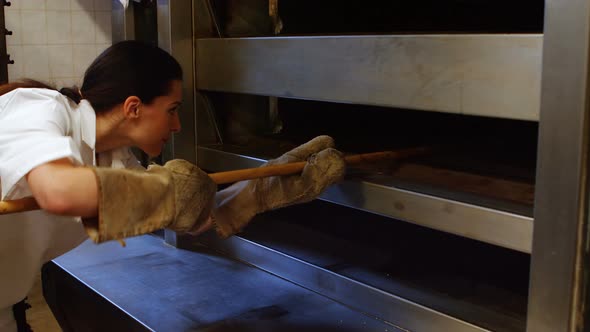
x,y
448,229
477,160
237,18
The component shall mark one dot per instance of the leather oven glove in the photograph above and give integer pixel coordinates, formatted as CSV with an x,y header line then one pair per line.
x,y
239,203
178,195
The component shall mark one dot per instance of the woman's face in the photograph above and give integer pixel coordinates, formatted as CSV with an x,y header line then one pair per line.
x,y
159,120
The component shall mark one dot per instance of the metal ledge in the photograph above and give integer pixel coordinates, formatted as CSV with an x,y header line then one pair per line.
x,y
496,75
359,296
489,225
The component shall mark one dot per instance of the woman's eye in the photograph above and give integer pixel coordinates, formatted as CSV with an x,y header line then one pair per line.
x,y
172,110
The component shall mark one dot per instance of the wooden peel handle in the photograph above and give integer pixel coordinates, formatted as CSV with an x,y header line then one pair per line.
x,y
297,167
29,203
18,205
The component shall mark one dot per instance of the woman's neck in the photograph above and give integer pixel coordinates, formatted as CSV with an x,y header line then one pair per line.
x,y
110,131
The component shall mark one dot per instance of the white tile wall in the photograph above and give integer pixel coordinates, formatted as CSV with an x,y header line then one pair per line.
x,y
83,5
30,4
83,28
35,62
103,27
83,56
33,27
60,32
55,40
61,64
58,4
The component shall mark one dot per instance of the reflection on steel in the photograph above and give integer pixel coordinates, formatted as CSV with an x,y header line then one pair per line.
x,y
180,290
359,296
218,161
213,17
484,224
489,75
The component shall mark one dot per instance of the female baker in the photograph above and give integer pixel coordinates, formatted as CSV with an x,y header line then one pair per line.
x,y
69,149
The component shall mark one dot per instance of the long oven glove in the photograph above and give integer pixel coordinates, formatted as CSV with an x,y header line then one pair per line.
x,y
177,195
239,203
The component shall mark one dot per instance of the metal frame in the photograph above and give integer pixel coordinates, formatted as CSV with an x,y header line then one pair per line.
x,y
122,22
175,35
560,236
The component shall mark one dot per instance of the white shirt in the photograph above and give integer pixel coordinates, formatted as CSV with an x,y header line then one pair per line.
x,y
38,126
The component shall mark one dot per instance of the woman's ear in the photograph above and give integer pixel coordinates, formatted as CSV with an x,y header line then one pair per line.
x,y
132,107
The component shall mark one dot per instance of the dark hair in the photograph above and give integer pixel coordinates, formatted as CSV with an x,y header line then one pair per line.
x,y
128,68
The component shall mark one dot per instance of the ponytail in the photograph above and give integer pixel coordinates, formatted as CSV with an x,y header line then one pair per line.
x,y
72,93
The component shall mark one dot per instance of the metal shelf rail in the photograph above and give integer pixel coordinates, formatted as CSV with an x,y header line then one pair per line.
x,y
488,75
493,226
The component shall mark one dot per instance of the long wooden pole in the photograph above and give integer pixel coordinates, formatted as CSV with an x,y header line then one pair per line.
x,y
29,203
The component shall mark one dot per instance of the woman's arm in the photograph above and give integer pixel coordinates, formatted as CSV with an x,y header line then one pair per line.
x,y
64,189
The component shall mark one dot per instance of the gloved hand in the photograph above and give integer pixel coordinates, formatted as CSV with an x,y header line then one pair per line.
x,y
178,195
239,203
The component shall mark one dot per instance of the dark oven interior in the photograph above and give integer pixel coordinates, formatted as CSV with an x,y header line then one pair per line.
x,y
490,161
237,18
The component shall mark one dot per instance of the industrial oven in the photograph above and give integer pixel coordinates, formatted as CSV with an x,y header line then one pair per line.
x,y
486,231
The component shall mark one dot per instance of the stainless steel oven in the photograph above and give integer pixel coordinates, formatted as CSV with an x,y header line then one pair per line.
x,y
485,232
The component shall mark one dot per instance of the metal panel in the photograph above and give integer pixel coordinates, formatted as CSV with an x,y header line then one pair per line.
x,y
372,301
561,201
484,224
205,24
179,290
122,22
489,75
175,36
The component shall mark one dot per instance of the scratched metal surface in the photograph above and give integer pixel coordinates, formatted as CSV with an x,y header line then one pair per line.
x,y
169,289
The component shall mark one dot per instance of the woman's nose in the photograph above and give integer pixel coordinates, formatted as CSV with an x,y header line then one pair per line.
x,y
175,125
